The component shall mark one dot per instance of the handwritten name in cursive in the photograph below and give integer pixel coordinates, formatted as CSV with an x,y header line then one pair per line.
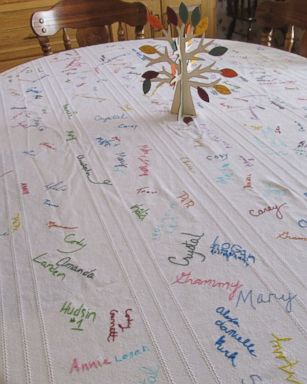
x,y
287,365
186,200
185,278
223,326
276,208
248,182
88,172
69,240
78,315
151,375
286,236
65,262
230,356
265,298
253,379
51,268
25,189
53,224
110,118
144,167
85,367
191,245
140,212
235,250
113,334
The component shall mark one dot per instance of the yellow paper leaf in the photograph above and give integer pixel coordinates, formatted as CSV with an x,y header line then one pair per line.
x,y
201,27
148,49
222,89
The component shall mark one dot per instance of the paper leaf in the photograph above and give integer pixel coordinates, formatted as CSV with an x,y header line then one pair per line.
x,y
227,72
171,16
174,46
203,94
154,22
187,120
150,75
146,86
218,51
173,70
183,13
202,26
195,17
148,49
222,89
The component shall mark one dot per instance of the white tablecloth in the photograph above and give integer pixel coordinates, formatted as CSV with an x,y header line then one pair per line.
x,y
139,249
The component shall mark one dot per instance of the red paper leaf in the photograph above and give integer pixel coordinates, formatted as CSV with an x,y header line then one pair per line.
x,y
203,94
154,22
171,16
150,75
187,120
227,72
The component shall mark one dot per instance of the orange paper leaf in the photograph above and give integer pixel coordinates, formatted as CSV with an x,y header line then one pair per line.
x,y
222,89
173,70
148,49
154,22
201,27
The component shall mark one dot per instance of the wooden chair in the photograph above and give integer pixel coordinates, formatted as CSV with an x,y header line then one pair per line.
x,y
271,15
243,10
91,18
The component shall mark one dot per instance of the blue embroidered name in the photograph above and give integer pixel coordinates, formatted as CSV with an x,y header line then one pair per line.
x,y
225,313
260,299
235,250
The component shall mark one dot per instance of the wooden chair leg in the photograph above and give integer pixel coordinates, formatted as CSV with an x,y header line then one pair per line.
x,y
139,32
120,32
303,45
66,39
249,30
45,45
289,39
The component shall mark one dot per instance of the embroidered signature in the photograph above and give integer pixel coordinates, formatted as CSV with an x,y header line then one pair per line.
x,y
276,208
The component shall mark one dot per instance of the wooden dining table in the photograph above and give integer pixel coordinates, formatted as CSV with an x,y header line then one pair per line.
x,y
139,248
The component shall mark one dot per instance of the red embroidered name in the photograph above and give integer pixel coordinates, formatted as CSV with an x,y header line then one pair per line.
x,y
24,188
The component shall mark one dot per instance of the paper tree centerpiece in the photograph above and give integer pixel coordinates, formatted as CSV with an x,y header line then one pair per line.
x,y
187,26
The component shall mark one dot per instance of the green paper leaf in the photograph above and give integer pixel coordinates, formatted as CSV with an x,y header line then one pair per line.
x,y
146,86
150,75
174,46
203,94
172,16
183,13
218,51
195,17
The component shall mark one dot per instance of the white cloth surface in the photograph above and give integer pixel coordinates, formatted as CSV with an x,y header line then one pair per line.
x,y
117,223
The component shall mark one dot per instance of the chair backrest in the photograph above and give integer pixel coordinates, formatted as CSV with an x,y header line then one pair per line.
x,y
90,18
271,15
242,9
